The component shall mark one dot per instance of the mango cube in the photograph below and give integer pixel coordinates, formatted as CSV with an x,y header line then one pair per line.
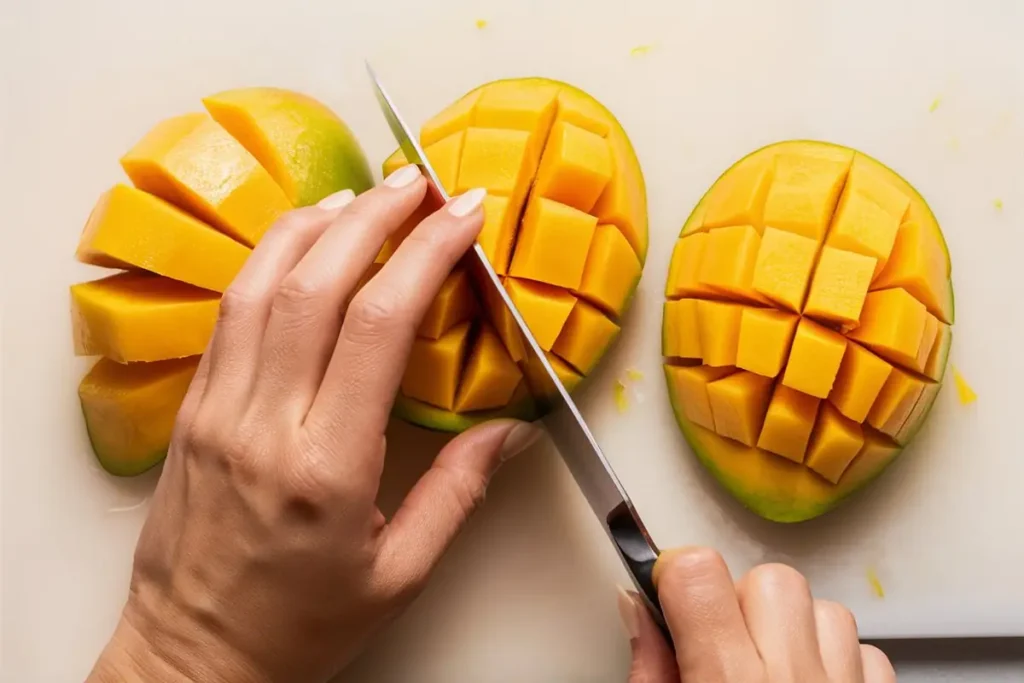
x,y
915,420
575,168
940,352
458,116
738,404
688,384
918,264
129,227
839,286
684,269
814,359
728,263
868,178
499,232
680,329
804,193
612,271
861,378
764,340
739,199
783,267
432,374
928,339
892,325
454,303
544,308
498,313
862,226
491,376
445,156
788,423
583,112
496,160
585,337
624,200
553,243
517,106
537,378
895,402
834,445
718,323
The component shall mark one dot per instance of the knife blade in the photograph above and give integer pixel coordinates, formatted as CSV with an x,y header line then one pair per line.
x,y
561,417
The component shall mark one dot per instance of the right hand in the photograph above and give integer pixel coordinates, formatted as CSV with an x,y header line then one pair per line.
x,y
765,628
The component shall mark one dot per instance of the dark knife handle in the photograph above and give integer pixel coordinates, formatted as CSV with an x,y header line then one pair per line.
x,y
639,553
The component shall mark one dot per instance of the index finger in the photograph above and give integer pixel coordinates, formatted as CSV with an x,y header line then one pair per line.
x,y
366,368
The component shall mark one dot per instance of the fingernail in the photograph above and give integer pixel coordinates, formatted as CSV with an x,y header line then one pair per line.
x,y
338,200
403,176
467,203
519,438
628,611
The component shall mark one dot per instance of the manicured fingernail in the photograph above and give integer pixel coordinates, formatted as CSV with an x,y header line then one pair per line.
x,y
467,203
629,607
519,438
338,200
403,176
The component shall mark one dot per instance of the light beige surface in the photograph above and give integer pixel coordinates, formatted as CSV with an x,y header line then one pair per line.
x,y
528,593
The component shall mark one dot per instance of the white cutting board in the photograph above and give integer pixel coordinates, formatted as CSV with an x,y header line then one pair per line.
x,y
528,592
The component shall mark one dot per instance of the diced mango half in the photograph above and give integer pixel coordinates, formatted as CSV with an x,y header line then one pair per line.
x,y
491,376
432,375
133,317
611,272
454,304
575,168
129,228
584,337
554,240
844,315
193,163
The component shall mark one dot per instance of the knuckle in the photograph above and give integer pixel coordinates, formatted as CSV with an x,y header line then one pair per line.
x,y
236,302
778,579
296,294
839,615
296,220
372,315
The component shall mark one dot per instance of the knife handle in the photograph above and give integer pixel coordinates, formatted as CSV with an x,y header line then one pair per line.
x,y
639,553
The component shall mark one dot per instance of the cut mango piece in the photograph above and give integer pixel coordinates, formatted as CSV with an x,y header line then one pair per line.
x,y
936,365
544,308
499,232
455,118
491,376
895,402
915,421
868,177
719,328
611,273
864,227
728,262
432,375
130,228
537,378
814,359
140,317
192,162
445,156
839,286
496,160
788,423
764,341
454,304
918,265
740,200
684,269
861,378
690,384
585,337
892,324
783,268
624,200
738,404
394,162
517,106
804,193
681,330
834,445
130,411
575,168
500,316
553,243
582,111
928,339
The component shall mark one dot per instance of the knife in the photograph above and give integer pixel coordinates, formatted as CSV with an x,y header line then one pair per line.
x,y
562,419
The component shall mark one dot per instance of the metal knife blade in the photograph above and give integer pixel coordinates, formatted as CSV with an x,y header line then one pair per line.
x,y
564,423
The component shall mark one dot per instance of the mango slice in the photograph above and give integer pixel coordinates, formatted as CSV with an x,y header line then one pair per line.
x,y
192,162
131,228
130,410
140,317
807,325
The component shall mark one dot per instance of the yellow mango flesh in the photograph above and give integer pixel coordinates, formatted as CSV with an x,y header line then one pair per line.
x,y
811,284
192,162
565,228
134,317
130,410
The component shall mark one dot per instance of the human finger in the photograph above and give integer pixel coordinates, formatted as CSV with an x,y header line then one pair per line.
x,y
838,642
653,660
877,667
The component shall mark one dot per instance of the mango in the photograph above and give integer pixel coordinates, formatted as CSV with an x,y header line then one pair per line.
x,y
565,228
807,325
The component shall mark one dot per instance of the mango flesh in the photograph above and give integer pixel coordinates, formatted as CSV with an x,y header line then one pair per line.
x,y
566,228
206,187
807,325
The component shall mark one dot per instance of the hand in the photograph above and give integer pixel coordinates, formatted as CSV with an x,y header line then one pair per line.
x,y
264,557
766,628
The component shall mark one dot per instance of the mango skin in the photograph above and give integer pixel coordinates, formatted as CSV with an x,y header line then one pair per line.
x,y
769,485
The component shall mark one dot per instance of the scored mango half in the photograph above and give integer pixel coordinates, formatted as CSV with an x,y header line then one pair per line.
x,y
565,228
807,324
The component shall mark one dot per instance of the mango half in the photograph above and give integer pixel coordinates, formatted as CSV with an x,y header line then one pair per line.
x,y
565,228
205,187
807,324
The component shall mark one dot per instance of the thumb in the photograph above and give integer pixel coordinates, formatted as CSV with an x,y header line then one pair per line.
x,y
653,660
437,507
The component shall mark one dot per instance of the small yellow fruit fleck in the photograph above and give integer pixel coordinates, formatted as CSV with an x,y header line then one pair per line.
x,y
998,203
620,396
935,104
963,389
634,375
481,24
876,584
640,50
